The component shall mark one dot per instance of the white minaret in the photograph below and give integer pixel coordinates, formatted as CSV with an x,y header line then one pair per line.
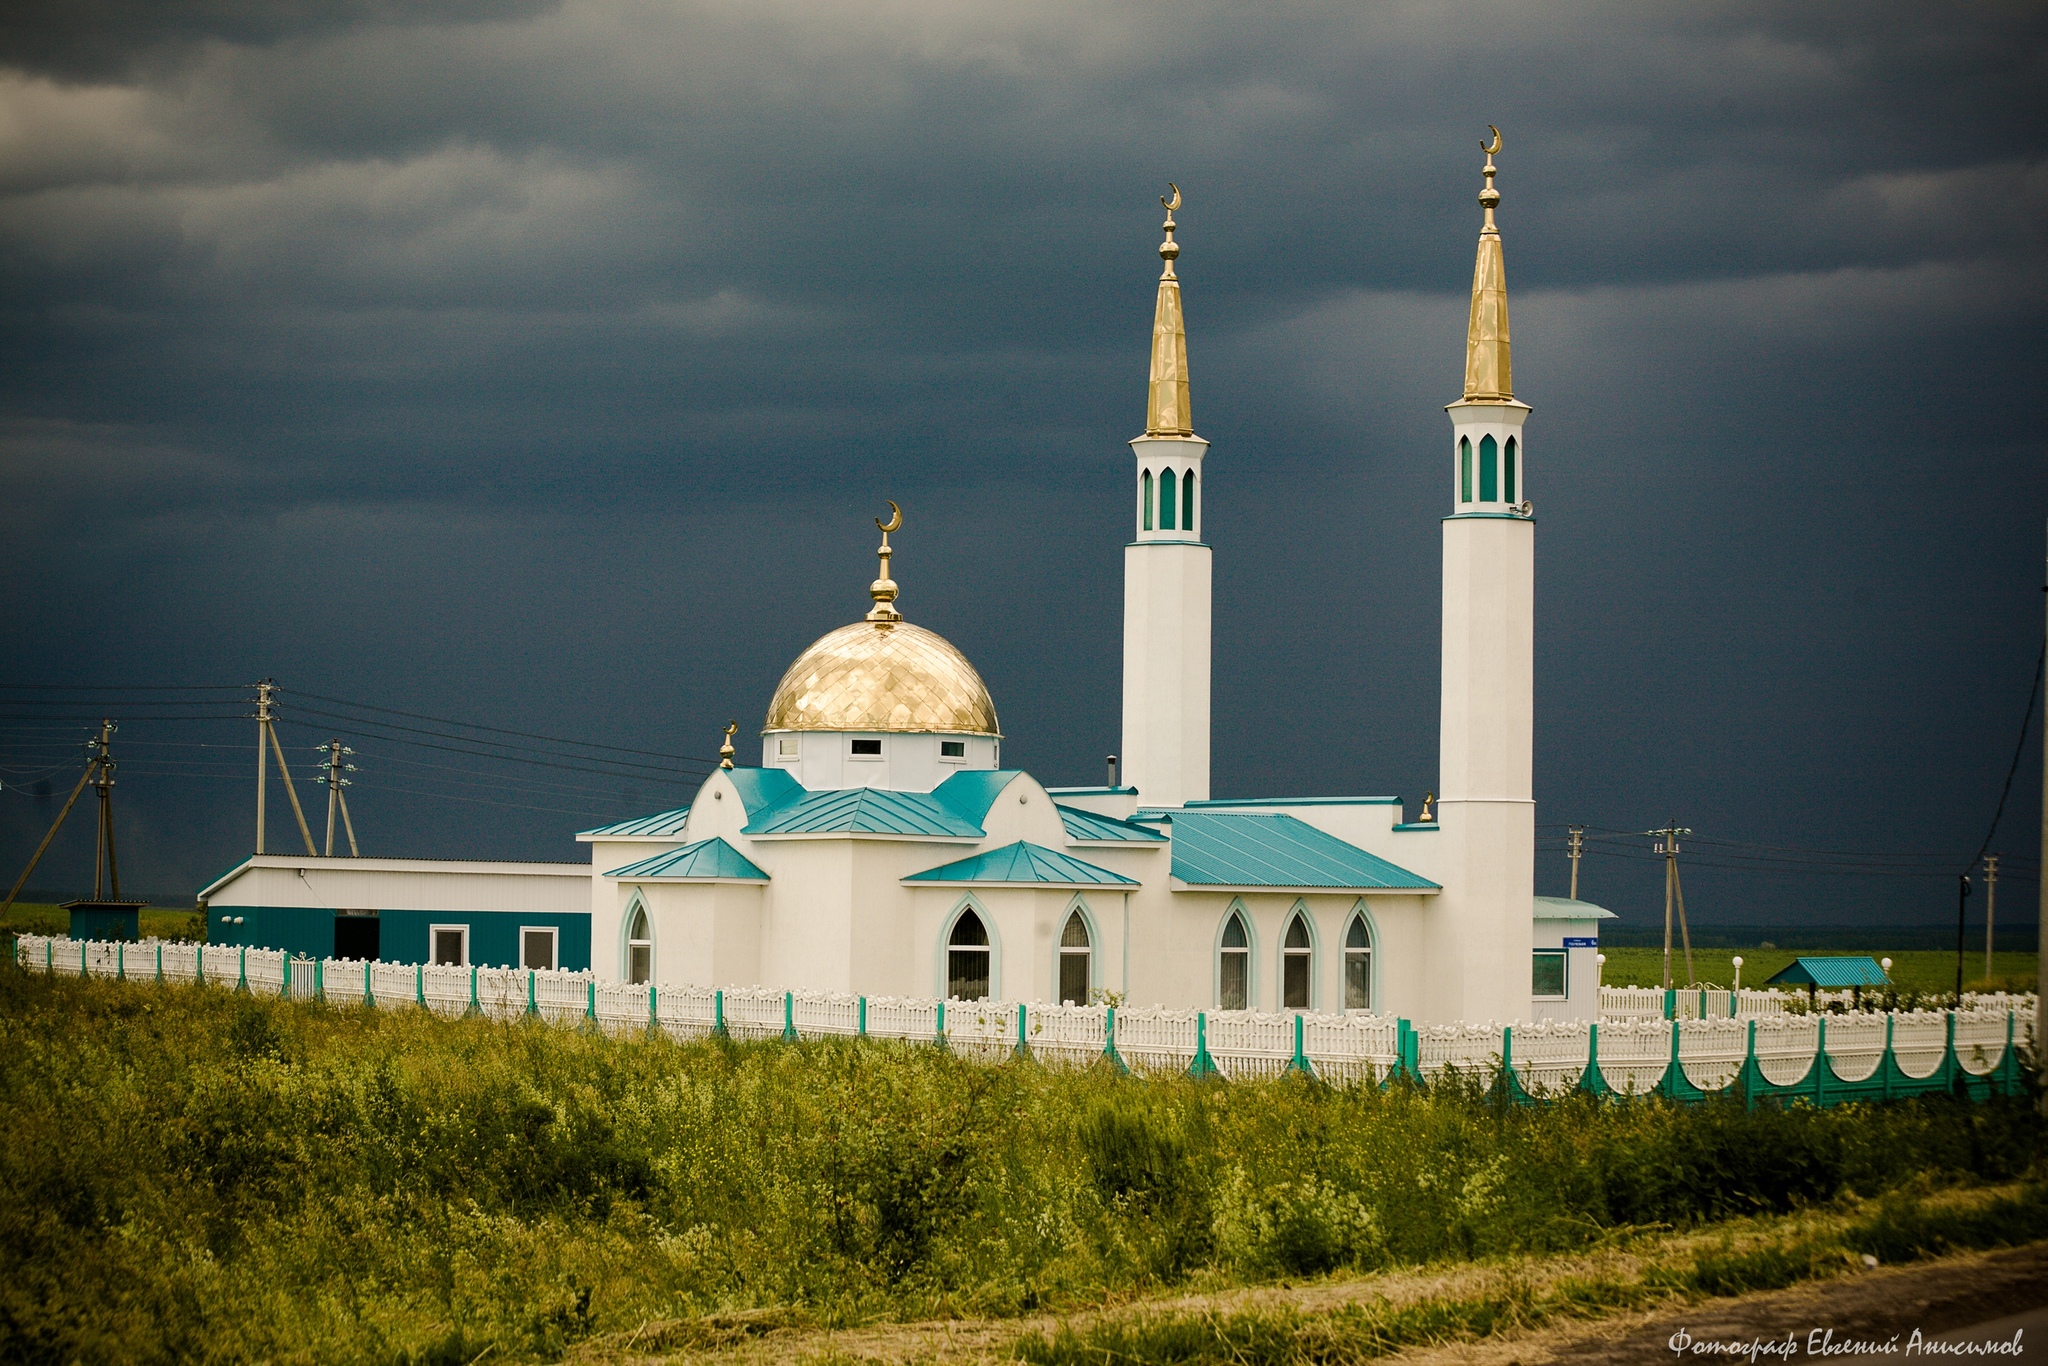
x,y
1479,956
1166,575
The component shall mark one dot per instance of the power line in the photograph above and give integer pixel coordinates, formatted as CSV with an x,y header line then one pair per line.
x,y
496,730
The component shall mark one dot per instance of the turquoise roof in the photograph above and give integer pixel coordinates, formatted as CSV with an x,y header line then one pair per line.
x,y
1087,825
1257,849
1831,972
658,826
712,858
970,793
763,789
1291,801
865,811
1024,862
1564,908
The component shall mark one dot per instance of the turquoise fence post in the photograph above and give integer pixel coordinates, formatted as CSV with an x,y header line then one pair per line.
x,y
1023,1048
284,992
1109,1041
941,1040
474,1008
1203,1065
1506,1080
1820,1064
242,983
718,1028
1948,1054
369,996
419,984
590,1003
84,970
1670,1003
1299,1062
49,958
1668,1084
320,979
199,964
789,1017
1886,1063
653,1009
120,961
1750,1072
159,962
1703,1003
862,1026
532,1001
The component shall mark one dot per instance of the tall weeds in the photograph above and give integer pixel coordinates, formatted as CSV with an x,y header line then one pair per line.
x,y
189,1173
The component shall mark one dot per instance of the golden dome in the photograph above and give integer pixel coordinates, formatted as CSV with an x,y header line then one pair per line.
x,y
883,676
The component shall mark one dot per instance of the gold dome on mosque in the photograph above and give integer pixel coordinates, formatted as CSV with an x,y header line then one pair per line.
x,y
883,674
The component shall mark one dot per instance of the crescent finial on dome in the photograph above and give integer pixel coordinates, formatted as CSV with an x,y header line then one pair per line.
x,y
883,589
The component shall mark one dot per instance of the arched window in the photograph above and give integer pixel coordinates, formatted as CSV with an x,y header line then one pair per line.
x,y
1489,470
639,947
1296,957
1074,961
1166,500
1234,973
1145,500
1358,966
967,959
1509,469
1187,501
1464,469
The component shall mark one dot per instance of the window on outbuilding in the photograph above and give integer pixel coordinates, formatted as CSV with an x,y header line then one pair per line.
x,y
1234,970
1074,954
1548,979
537,947
639,947
451,946
967,959
1358,966
1489,470
1297,959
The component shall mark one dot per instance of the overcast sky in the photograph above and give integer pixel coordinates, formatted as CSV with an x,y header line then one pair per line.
x,y
542,365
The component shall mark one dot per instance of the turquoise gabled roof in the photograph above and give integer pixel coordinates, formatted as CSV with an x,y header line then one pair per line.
x,y
706,859
1024,864
660,825
763,789
969,794
1831,972
865,811
1087,825
1258,849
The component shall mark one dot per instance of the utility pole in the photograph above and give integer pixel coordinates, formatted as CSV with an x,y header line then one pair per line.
x,y
266,731
1962,901
335,750
1990,908
2041,944
103,849
1667,845
96,752
1576,844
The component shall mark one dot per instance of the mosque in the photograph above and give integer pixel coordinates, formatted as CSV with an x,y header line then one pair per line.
x,y
880,847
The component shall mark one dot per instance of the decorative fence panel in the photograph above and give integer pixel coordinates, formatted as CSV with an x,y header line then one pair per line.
x,y
1685,1045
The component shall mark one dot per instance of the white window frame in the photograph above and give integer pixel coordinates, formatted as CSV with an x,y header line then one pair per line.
x,y
554,934
636,903
942,976
877,757
1308,923
946,758
788,747
1250,950
434,933
1060,952
1371,952
1564,958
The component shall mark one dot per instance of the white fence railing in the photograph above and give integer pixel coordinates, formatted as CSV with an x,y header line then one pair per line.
x,y
1634,1049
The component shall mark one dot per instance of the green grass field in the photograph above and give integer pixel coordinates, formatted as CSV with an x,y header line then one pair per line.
x,y
189,1173
1924,970
160,922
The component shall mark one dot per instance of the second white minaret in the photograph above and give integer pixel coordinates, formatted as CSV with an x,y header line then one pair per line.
x,y
1166,575
1480,940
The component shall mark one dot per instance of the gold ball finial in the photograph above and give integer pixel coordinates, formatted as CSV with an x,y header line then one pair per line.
x,y
726,751
883,589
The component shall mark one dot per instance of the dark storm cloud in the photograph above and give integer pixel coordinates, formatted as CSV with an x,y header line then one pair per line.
x,y
529,357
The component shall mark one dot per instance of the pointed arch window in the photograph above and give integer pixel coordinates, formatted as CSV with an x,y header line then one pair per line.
x,y
1297,959
1508,469
1187,501
639,946
1074,961
1489,470
1166,483
967,959
1234,968
1464,469
1358,965
1145,500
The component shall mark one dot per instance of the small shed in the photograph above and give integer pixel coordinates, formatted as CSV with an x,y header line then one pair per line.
x,y
1833,974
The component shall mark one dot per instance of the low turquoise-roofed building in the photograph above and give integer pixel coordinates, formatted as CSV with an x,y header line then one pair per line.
x,y
1831,974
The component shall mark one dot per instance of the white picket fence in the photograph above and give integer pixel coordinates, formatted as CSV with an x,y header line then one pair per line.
x,y
1633,1047
1719,1003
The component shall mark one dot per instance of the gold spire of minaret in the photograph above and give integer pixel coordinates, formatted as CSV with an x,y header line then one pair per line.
x,y
883,589
1489,377
1166,409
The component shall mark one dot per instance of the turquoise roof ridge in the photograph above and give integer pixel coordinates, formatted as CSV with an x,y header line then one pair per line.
x,y
1024,863
1831,972
705,860
1260,849
1089,825
660,825
865,811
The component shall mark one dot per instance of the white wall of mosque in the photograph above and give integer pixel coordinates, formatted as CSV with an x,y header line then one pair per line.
x,y
900,761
